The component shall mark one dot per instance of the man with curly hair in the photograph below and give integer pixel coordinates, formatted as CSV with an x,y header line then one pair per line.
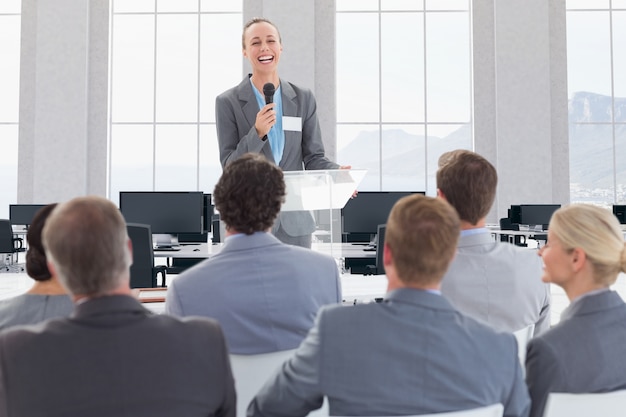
x,y
264,293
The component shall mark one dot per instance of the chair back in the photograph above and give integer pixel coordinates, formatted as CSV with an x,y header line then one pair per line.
x,y
523,336
141,271
606,404
380,246
6,237
251,372
494,410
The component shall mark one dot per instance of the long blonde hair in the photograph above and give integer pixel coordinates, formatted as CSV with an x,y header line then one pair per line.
x,y
597,232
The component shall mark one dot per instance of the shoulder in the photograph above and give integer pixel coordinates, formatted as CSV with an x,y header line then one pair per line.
x,y
233,92
318,258
192,326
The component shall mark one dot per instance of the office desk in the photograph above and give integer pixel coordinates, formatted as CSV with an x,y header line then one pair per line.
x,y
206,250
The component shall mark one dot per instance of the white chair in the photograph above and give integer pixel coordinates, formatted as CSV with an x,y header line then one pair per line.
x,y
608,404
523,336
251,372
495,410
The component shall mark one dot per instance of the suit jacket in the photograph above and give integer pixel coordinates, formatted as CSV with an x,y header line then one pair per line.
x,y
235,115
112,357
583,353
412,354
265,294
498,284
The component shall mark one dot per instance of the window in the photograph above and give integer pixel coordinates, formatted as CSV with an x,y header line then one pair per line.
x,y
596,70
10,25
403,88
169,60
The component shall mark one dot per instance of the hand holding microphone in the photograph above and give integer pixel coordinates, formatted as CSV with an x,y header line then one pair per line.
x,y
266,117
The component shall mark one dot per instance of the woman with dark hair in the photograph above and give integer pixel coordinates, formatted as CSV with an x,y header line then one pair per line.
x,y
47,298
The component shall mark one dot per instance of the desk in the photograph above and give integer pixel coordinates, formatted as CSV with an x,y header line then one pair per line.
x,y
207,250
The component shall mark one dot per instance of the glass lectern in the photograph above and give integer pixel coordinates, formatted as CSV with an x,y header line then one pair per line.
x,y
323,193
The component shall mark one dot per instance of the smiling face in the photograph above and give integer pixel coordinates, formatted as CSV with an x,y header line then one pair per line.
x,y
262,47
558,265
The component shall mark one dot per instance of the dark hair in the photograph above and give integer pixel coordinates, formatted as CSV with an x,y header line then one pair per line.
x,y
468,182
36,261
253,21
249,194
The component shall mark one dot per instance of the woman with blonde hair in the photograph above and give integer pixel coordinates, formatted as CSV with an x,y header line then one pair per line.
x,y
584,352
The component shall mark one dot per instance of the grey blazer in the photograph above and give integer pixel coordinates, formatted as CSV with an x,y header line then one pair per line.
x,y
112,357
235,114
498,284
585,352
265,294
412,354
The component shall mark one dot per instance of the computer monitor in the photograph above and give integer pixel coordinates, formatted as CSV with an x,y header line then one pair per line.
x,y
620,213
167,212
23,214
536,214
363,214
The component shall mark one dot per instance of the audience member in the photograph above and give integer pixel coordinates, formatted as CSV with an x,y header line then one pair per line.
x,y
411,354
495,282
264,293
111,357
46,299
585,352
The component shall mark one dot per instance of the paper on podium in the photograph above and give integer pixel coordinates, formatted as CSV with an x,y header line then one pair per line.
x,y
320,189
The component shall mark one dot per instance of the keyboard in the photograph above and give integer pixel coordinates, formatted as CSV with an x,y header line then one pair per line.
x,y
166,249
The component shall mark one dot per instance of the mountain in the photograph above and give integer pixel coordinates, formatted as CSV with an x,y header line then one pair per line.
x,y
591,145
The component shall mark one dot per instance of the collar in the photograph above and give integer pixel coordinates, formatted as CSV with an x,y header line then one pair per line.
x,y
423,298
475,231
591,302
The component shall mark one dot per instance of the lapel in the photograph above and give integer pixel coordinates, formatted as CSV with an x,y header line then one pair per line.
x,y
250,108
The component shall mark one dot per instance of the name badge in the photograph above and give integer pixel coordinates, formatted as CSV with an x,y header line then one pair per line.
x,y
292,123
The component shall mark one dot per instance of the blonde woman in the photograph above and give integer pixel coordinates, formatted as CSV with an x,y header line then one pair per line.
x,y
585,351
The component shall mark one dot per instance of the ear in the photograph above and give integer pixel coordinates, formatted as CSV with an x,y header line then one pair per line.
x,y
52,269
387,256
129,243
440,194
579,259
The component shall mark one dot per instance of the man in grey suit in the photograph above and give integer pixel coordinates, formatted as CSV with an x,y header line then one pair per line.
x,y
111,357
497,283
411,354
264,293
285,131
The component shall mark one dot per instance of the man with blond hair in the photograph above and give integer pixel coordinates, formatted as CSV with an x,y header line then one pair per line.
x,y
495,282
411,354
112,357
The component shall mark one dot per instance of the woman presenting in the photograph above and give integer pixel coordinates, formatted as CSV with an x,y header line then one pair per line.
x,y
286,131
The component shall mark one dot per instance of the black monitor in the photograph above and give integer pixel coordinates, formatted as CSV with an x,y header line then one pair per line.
x,y
167,212
363,214
536,214
620,213
23,214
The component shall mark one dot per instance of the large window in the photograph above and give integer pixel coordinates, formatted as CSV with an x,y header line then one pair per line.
x,y
596,69
9,101
169,60
403,88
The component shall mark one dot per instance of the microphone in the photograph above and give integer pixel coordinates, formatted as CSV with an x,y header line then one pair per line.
x,y
268,91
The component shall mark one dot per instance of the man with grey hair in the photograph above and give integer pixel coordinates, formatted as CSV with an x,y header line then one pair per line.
x,y
112,356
